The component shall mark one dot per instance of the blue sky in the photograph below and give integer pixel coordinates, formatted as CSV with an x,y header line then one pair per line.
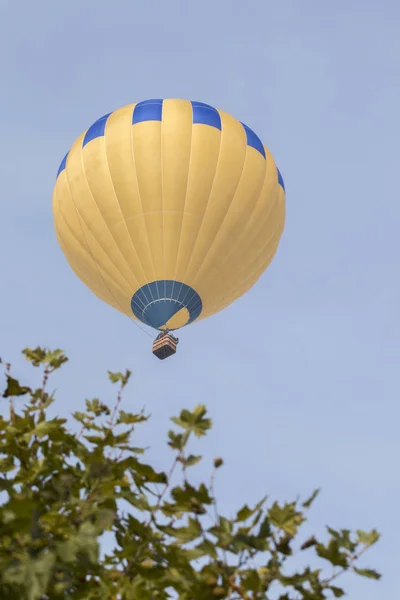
x,y
300,375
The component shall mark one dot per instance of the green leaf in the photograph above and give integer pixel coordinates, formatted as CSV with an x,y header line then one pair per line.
x,y
135,449
99,440
218,592
251,580
218,462
36,356
87,541
337,592
286,517
265,528
311,541
370,573
48,427
147,563
7,516
139,501
243,514
178,441
183,420
189,533
184,496
191,460
311,499
194,422
30,573
225,524
284,545
208,548
7,464
223,532
145,471
332,553
368,538
97,408
130,418
343,538
67,551
81,417
13,388
14,575
55,358
105,518
19,511
136,527
123,378
201,425
244,541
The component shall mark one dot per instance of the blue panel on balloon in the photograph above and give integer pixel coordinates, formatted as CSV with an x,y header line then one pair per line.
x,y
160,312
168,288
253,140
63,164
148,110
280,179
155,303
206,115
96,130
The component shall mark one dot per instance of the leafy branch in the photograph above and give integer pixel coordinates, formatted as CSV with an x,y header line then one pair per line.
x,y
60,492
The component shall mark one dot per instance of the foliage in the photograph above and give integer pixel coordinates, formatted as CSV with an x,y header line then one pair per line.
x,y
60,491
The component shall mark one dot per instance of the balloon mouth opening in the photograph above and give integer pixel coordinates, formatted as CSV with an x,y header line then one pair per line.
x,y
166,304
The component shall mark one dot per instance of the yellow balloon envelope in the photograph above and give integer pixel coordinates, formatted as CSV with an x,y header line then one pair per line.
x,y
169,210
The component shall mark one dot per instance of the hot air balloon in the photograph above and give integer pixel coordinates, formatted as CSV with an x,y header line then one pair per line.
x,y
168,210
